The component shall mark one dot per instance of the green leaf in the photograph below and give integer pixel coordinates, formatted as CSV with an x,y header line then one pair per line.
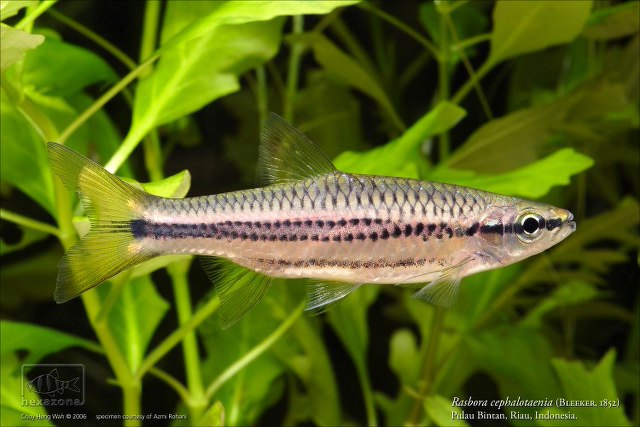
x,y
38,341
441,412
579,383
175,186
349,321
258,382
15,43
12,411
568,294
527,26
513,140
135,316
28,236
468,21
520,368
214,416
23,157
48,69
348,71
203,60
614,22
532,181
402,157
9,8
404,358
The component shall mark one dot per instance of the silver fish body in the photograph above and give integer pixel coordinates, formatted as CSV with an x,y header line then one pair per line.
x,y
310,221
350,228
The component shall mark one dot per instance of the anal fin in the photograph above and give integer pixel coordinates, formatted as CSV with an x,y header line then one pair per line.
x,y
238,288
322,295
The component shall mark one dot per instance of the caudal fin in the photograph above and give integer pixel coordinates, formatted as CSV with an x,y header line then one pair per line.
x,y
111,204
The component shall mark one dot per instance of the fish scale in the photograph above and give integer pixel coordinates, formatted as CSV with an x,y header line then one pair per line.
x,y
311,221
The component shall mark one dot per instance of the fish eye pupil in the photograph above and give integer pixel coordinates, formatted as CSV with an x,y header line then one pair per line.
x,y
530,225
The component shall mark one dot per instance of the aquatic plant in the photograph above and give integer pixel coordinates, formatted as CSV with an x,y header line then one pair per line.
x,y
532,99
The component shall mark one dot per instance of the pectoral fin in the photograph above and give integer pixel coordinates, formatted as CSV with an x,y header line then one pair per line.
x,y
443,291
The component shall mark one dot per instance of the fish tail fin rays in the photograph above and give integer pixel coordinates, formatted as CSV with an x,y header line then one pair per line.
x,y
238,288
111,205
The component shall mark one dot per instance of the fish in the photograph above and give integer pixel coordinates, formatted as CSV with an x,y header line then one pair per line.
x,y
51,384
309,220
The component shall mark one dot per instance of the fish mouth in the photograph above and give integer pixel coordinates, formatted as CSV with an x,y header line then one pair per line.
x,y
571,223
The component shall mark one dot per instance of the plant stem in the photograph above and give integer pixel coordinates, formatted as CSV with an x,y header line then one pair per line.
x,y
28,222
427,367
94,37
197,402
473,80
294,70
99,103
443,83
255,352
262,100
176,336
369,404
401,26
152,150
32,16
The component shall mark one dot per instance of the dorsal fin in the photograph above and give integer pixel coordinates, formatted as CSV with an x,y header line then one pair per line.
x,y
287,155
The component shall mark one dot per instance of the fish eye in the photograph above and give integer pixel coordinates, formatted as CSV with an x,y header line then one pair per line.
x,y
529,227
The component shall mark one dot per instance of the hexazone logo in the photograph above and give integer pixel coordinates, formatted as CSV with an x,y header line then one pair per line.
x,y
53,385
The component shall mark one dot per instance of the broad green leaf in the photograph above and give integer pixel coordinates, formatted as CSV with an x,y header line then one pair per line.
x,y
202,61
12,410
258,382
348,71
23,157
467,20
48,69
232,13
310,362
135,316
38,341
214,416
527,26
441,412
511,141
27,237
614,22
9,8
531,181
580,383
404,358
15,43
521,367
174,186
568,294
401,157
29,281
349,321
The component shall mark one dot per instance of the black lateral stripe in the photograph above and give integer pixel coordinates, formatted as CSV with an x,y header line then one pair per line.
x,y
298,230
472,230
492,229
553,223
